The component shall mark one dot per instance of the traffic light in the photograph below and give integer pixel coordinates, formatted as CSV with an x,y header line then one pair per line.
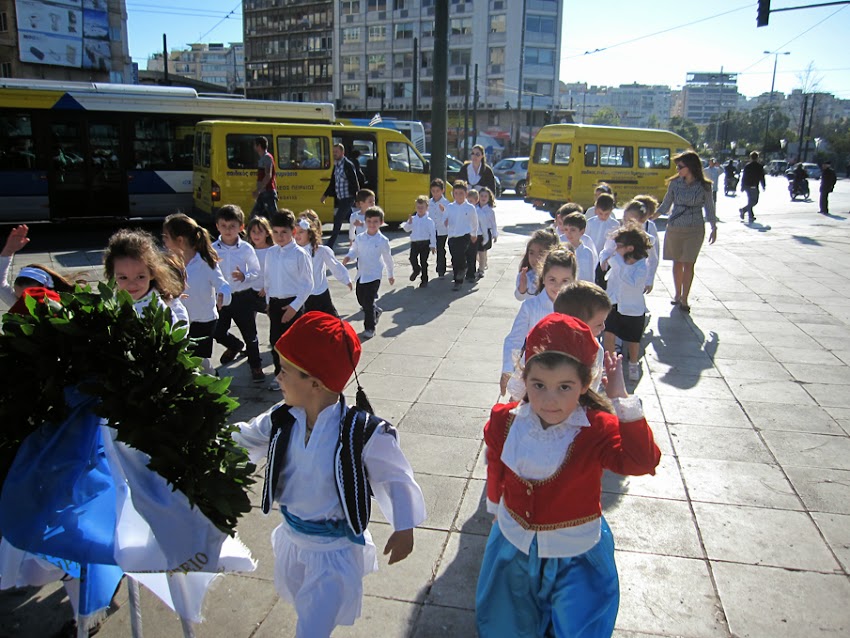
x,y
763,13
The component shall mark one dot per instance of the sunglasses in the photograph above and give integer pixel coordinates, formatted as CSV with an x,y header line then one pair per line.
x,y
478,154
680,167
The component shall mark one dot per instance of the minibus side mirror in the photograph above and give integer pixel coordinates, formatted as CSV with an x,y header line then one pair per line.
x,y
427,166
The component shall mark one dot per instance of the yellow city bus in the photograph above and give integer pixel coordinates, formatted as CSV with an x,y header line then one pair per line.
x,y
568,160
225,166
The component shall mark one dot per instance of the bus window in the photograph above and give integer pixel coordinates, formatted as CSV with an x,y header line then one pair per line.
x,y
622,156
653,157
562,154
16,148
542,152
401,158
160,143
240,150
295,152
590,154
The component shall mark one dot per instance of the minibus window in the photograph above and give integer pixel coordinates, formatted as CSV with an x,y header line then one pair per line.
x,y
400,157
205,148
240,150
653,157
622,156
562,154
590,155
541,153
295,152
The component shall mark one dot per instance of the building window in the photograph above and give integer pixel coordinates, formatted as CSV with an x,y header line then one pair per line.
x,y
457,87
351,90
428,29
4,23
460,26
425,89
533,55
460,57
351,63
402,89
495,88
377,5
403,61
399,4
498,24
5,70
404,31
377,62
378,33
540,24
497,55
426,60
350,7
351,34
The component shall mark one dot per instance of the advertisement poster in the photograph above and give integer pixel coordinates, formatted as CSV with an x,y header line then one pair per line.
x,y
40,48
72,33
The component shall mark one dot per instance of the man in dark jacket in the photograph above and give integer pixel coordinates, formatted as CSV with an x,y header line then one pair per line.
x,y
343,187
751,177
827,184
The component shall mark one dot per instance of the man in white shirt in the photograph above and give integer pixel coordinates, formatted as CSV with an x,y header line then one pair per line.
x,y
713,171
462,224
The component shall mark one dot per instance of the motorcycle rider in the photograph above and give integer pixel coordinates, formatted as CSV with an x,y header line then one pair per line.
x,y
730,177
800,183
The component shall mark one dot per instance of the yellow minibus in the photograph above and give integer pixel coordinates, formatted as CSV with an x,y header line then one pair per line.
x,y
225,166
568,160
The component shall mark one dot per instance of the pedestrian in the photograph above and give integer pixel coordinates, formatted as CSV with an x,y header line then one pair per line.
x,y
423,240
688,194
599,227
574,225
363,201
372,253
343,186
541,242
713,171
266,192
646,218
207,291
751,177
628,278
260,234
437,211
326,462
602,188
827,184
476,172
308,235
559,269
487,227
239,263
462,226
288,280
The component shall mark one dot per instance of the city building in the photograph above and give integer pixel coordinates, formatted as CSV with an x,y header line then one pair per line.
x,y
212,63
707,94
81,41
637,105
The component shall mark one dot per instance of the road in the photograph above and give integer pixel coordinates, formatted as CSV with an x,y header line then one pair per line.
x,y
742,532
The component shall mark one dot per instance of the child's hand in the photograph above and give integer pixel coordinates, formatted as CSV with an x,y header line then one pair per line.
x,y
410,219
219,300
433,251
446,224
647,289
16,240
345,261
523,282
473,239
238,275
604,265
503,383
357,222
442,208
262,293
392,281
495,239
615,385
288,314
400,545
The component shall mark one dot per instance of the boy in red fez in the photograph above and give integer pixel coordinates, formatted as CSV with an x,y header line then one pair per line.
x,y
324,461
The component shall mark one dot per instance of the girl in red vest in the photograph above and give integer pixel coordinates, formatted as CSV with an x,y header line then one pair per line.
x,y
549,569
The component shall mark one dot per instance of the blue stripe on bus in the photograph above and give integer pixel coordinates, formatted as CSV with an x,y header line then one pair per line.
x,y
148,183
23,183
68,103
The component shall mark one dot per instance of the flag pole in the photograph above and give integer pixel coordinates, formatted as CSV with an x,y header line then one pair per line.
x,y
135,608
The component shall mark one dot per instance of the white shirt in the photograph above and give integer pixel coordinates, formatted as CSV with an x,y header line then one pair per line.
x,y
713,173
652,261
353,231
289,273
178,311
586,261
324,259
487,221
240,255
462,219
626,283
260,281
152,297
535,454
308,486
530,312
421,228
372,253
7,292
531,288
439,216
203,284
598,230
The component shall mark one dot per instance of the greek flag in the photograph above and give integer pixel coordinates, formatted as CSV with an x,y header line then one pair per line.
x,y
375,120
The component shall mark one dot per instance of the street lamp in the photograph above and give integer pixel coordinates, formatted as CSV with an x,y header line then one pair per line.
x,y
775,55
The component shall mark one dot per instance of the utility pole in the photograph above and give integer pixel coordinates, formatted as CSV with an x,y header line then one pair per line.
x,y
519,88
802,128
439,117
475,107
466,117
809,133
414,115
776,55
165,79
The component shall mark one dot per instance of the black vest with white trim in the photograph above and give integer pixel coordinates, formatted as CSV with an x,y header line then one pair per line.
x,y
356,427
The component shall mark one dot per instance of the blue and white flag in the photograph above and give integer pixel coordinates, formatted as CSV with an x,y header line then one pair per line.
x,y
375,120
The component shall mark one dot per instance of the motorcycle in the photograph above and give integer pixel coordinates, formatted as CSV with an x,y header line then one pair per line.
x,y
798,188
730,184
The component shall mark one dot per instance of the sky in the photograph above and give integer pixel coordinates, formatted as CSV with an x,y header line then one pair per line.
x,y
607,43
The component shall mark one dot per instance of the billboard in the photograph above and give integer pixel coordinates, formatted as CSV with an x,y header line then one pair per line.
x,y
73,33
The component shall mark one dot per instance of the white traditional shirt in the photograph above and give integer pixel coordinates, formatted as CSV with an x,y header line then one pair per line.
x,y
372,253
239,255
353,229
203,284
260,281
439,216
530,312
324,259
421,228
289,273
626,283
586,261
598,230
7,292
462,219
487,221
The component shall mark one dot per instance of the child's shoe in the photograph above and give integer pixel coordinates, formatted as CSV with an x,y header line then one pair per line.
x,y
274,386
479,274
634,371
414,275
230,354
257,375
424,283
367,334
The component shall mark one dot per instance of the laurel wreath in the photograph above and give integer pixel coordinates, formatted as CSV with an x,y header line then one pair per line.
x,y
148,385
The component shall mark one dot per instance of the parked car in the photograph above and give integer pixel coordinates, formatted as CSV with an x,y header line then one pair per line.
x,y
453,166
776,167
812,169
513,172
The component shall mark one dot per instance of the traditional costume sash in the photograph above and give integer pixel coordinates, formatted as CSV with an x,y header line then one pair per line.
x,y
326,528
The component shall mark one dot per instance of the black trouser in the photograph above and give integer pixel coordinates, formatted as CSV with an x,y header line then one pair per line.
x,y
265,205
471,257
277,327
203,332
321,303
824,201
459,247
367,295
342,212
441,254
242,311
600,278
419,251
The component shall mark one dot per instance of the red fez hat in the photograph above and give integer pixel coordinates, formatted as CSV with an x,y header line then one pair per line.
x,y
561,333
39,294
321,346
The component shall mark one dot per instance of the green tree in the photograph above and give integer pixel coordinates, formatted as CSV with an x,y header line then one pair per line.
x,y
653,122
606,116
686,128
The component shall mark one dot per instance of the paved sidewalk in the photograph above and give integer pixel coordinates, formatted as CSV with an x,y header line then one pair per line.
x,y
745,529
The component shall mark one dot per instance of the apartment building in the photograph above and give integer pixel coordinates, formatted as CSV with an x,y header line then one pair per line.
x,y
214,63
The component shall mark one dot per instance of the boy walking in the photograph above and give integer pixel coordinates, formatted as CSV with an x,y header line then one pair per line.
x,y
462,225
372,253
239,264
587,259
423,240
598,228
437,211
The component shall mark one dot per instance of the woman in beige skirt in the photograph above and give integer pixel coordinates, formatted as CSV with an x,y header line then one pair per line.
x,y
688,193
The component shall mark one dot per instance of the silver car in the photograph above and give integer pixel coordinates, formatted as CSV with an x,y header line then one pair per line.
x,y
513,173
